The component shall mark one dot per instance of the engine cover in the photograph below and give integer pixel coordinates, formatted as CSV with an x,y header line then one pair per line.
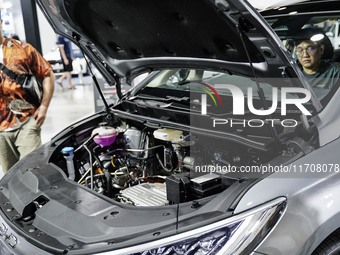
x,y
146,194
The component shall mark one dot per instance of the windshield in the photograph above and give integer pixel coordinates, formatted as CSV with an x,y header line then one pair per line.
x,y
197,80
185,87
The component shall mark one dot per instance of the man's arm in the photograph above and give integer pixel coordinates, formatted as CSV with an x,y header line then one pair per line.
x,y
48,89
63,54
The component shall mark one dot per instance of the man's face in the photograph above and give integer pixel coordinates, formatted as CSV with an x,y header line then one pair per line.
x,y
309,54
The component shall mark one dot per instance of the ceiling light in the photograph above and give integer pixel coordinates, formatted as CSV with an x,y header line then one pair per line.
x,y
292,13
282,8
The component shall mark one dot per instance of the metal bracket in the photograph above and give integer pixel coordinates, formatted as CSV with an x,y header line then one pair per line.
x,y
283,73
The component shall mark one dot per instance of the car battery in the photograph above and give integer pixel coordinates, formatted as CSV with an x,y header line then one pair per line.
x,y
177,188
206,185
228,179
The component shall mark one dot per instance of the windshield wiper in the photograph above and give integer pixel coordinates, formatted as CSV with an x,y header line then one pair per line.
x,y
166,99
178,99
147,98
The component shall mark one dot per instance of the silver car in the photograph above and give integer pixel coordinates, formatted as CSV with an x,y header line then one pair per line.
x,y
224,148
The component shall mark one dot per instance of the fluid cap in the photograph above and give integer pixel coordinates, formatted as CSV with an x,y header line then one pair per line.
x,y
67,151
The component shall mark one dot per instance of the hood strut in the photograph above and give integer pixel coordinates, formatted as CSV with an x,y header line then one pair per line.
x,y
94,78
260,92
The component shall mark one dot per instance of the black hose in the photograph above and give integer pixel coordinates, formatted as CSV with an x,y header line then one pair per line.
x,y
161,163
96,157
108,183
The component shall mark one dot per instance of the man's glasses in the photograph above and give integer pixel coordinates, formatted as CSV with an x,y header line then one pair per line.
x,y
309,50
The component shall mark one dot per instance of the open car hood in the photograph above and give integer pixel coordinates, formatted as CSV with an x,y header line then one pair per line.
x,y
124,39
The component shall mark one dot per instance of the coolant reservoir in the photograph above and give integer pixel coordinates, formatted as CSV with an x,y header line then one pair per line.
x,y
106,135
167,134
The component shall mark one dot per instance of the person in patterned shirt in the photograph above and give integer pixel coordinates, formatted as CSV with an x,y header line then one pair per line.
x,y
20,121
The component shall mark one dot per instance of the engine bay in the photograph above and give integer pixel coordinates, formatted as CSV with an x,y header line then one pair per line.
x,y
139,165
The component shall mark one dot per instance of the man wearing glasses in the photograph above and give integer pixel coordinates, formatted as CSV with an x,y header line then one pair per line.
x,y
322,75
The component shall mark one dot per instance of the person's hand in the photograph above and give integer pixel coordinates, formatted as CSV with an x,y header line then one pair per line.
x,y
66,61
40,115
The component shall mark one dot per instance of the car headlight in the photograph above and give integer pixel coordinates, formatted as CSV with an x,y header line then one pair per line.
x,y
239,234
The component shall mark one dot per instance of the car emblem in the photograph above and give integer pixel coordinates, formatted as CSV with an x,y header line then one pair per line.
x,y
3,229
10,239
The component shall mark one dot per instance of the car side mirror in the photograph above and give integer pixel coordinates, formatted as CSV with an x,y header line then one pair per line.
x,y
178,77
